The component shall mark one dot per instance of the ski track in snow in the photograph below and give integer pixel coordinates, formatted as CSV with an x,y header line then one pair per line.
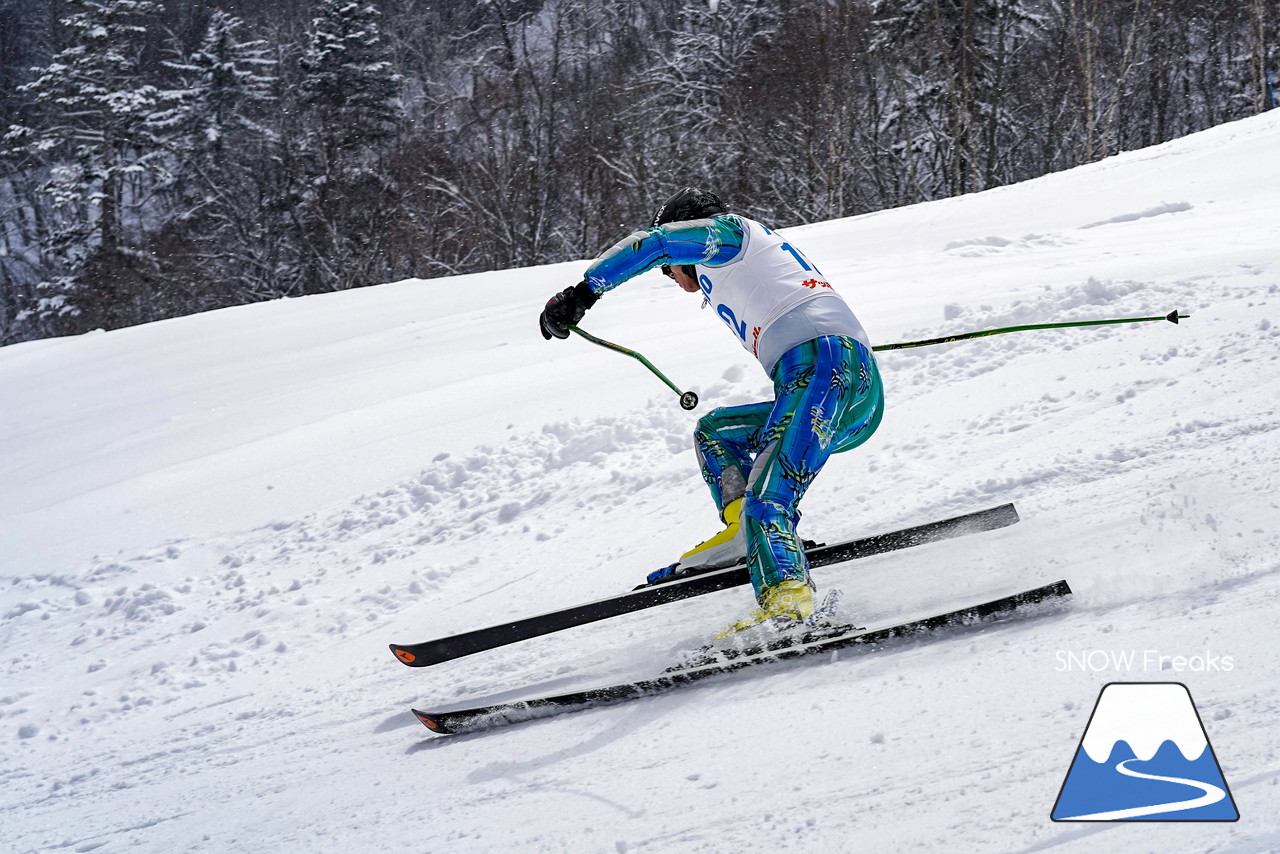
x,y
232,691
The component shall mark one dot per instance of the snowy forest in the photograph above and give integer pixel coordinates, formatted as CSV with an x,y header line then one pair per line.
x,y
164,157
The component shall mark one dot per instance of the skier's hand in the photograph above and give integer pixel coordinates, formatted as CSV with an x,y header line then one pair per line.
x,y
566,309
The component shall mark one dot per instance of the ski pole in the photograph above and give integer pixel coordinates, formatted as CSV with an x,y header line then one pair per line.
x,y
688,399
1172,317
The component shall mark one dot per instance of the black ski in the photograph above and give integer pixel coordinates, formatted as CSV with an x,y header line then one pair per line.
x,y
500,714
456,646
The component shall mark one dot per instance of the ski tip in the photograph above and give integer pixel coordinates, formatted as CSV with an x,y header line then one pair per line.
x,y
1174,317
429,721
403,655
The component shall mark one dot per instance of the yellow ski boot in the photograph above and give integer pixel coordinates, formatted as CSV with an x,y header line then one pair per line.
x,y
792,599
724,549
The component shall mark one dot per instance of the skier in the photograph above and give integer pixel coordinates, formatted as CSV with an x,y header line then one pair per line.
x,y
758,459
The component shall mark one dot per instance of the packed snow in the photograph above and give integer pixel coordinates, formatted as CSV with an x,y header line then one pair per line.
x,y
211,528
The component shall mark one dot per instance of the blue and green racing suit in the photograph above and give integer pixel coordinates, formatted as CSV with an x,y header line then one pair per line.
x,y
828,393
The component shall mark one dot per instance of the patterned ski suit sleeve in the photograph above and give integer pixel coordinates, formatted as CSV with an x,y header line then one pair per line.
x,y
712,242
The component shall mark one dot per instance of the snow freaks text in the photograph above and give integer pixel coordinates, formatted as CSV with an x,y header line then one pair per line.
x,y
1145,660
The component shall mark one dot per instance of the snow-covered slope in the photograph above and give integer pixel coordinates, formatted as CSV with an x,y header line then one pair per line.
x,y
211,527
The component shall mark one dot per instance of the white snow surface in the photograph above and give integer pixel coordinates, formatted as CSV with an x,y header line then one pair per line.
x,y
211,527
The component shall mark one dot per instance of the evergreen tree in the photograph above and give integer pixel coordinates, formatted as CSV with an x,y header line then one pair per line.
x,y
348,79
91,126
221,144
221,79
349,204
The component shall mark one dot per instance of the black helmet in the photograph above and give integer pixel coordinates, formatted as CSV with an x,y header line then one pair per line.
x,y
689,203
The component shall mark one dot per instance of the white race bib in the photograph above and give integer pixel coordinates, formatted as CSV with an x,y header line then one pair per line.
x,y
768,278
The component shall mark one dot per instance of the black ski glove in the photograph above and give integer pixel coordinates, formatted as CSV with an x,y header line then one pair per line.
x,y
566,309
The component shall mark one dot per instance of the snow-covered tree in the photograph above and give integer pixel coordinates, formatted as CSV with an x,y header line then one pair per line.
x,y
347,75
221,79
91,128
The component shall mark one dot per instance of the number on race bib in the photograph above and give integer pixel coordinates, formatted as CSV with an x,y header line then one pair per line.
x,y
800,259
